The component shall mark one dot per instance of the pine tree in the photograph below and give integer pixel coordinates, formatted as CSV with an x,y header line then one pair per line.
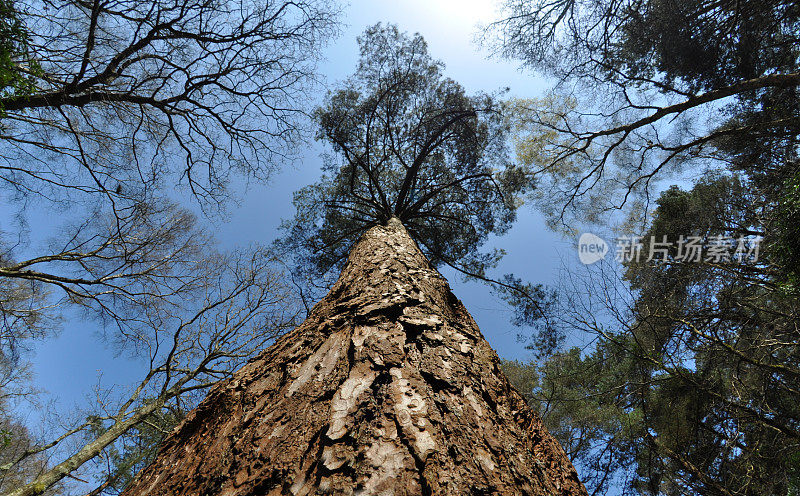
x,y
388,387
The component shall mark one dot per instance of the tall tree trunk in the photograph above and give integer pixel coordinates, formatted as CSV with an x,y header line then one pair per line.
x,y
387,388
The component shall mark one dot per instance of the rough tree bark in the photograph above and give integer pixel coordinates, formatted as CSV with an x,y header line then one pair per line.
x,y
387,388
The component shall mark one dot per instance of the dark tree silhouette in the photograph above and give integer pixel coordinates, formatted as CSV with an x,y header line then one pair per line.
x,y
410,143
700,357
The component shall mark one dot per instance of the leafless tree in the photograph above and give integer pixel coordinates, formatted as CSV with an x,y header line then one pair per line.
x,y
128,93
127,99
122,102
189,346
649,91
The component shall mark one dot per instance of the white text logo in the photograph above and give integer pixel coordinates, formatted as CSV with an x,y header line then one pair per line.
x,y
591,248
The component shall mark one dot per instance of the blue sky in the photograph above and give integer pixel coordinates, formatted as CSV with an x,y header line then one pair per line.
x,y
68,367
449,27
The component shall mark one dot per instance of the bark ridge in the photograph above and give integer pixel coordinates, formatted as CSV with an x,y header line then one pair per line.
x,y
387,388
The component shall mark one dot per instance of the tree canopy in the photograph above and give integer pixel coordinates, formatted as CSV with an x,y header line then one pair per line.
x,y
698,356
13,51
410,143
651,89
